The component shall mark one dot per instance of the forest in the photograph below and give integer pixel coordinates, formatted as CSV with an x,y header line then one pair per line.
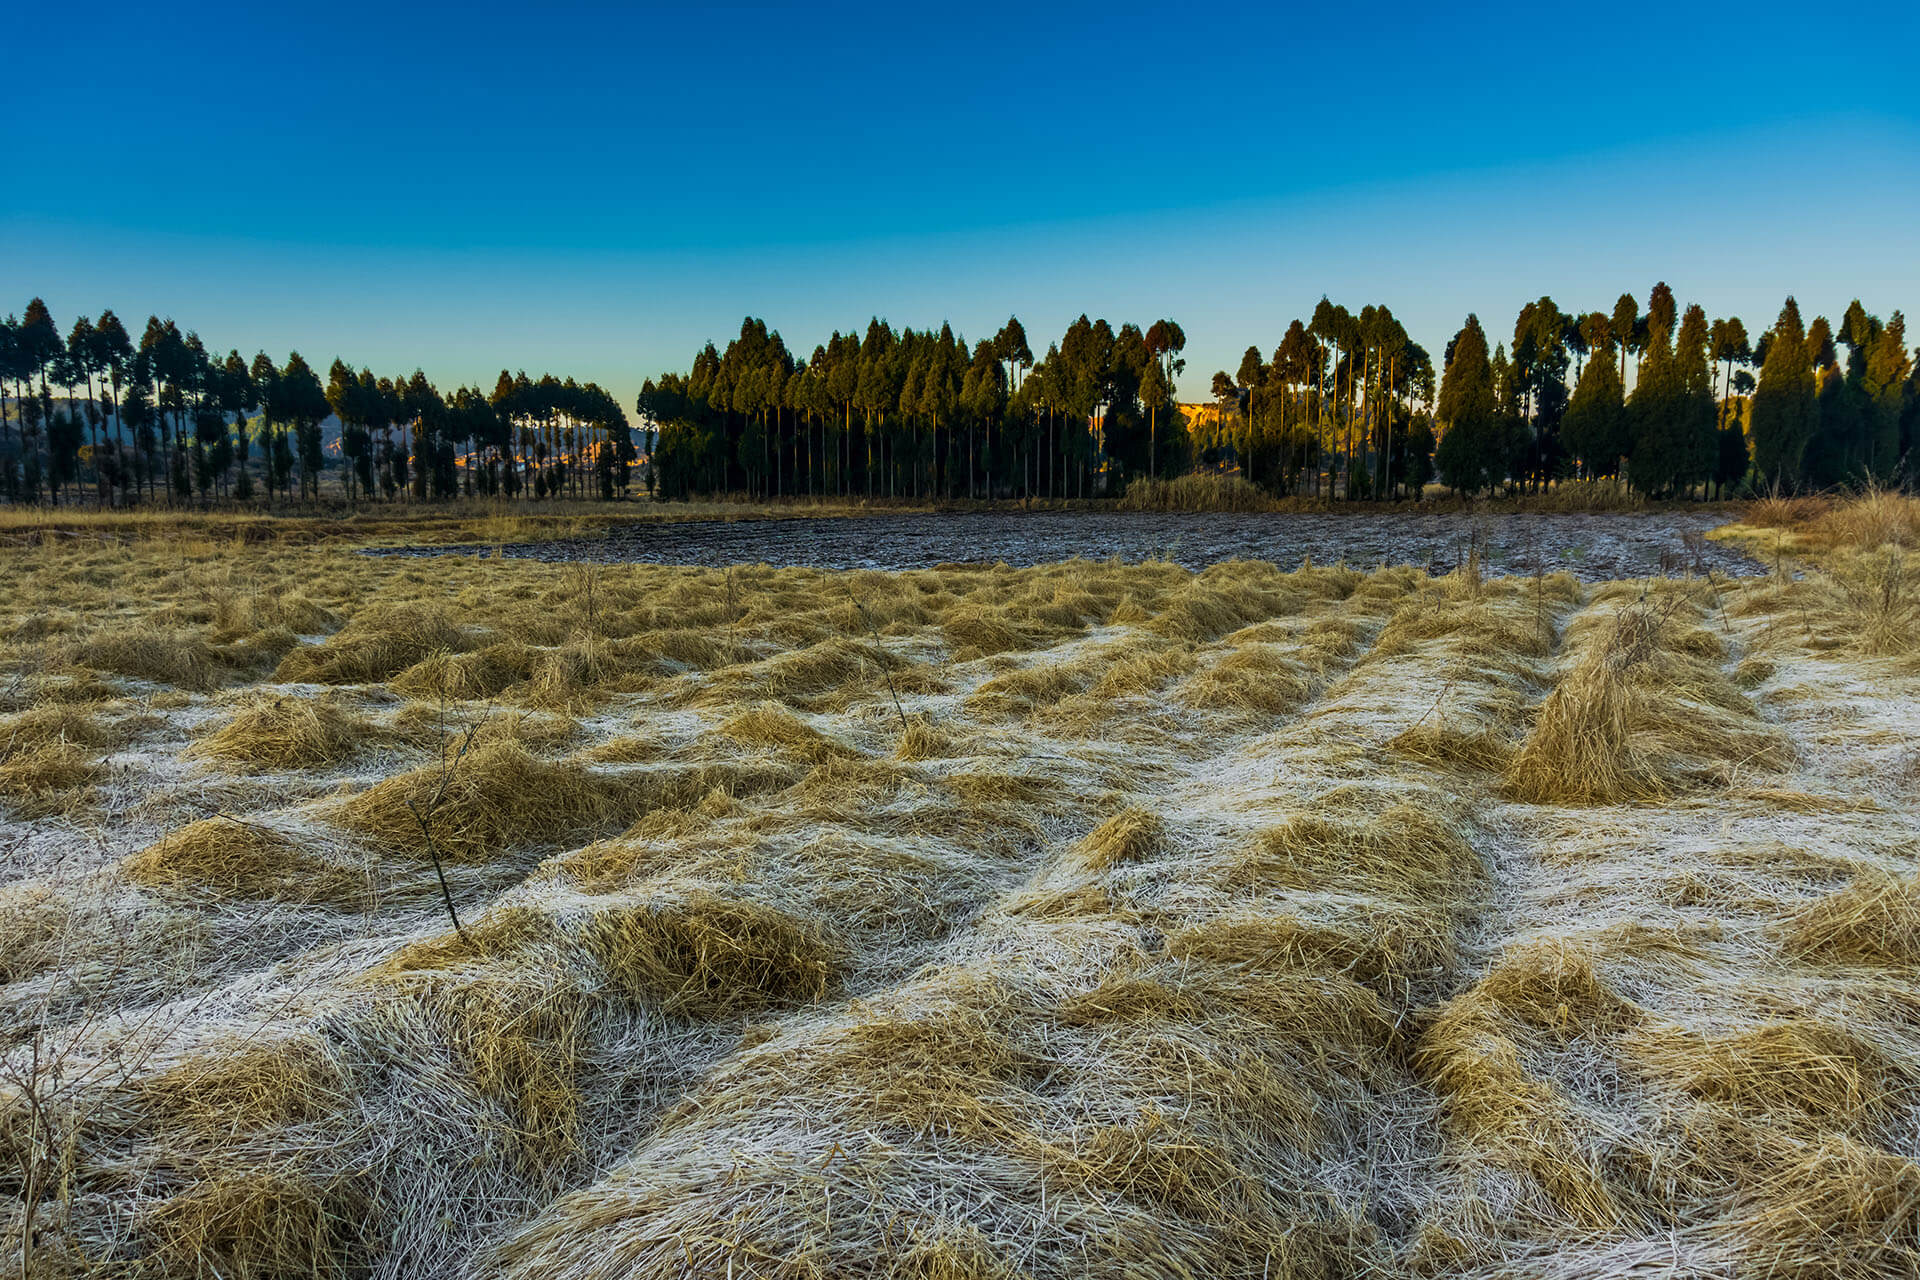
x,y
1347,407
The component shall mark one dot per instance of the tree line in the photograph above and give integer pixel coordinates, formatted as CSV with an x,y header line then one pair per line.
x,y
919,413
1698,419
167,419
1346,406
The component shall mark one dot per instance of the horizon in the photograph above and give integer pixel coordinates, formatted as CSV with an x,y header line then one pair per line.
x,y
598,231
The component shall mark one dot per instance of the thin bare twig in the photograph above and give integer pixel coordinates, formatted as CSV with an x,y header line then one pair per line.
x,y
884,673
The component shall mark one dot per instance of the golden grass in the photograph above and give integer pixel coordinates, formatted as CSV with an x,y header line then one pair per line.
x,y
1643,711
1262,930
496,800
1128,836
1197,492
703,955
378,643
227,859
286,732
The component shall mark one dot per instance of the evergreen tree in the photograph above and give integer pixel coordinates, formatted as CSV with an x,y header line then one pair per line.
x,y
1782,417
1595,427
1469,452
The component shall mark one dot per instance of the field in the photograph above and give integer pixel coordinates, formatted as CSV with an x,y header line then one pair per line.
x,y
1083,919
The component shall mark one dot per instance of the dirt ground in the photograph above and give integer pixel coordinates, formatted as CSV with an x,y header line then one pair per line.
x,y
1594,548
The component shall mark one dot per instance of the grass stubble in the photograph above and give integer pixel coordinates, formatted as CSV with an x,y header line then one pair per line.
x,y
1087,919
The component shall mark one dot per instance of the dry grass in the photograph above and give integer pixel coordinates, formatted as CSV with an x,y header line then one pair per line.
x,y
1196,493
227,859
1087,919
285,732
1642,711
496,800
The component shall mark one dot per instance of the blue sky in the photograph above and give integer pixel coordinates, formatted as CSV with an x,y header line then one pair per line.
x,y
596,190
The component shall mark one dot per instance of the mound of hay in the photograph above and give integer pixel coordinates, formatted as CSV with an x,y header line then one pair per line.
x,y
469,677
806,675
1397,947
1132,835
1842,1209
1027,689
1874,920
1796,1069
228,859
177,658
1262,678
771,725
47,780
378,643
924,741
1405,852
704,955
277,733
495,799
1449,742
978,631
1642,714
49,725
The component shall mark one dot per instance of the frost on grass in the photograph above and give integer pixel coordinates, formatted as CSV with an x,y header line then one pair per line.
x,y
492,918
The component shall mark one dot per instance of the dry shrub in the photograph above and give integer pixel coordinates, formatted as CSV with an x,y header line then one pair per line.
x,y
704,955
227,859
1876,518
1874,920
489,802
1132,835
378,643
1786,511
277,733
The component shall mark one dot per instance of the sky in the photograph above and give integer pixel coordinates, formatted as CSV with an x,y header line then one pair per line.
x,y
597,190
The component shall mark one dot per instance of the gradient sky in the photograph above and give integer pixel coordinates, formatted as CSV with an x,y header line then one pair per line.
x,y
597,190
